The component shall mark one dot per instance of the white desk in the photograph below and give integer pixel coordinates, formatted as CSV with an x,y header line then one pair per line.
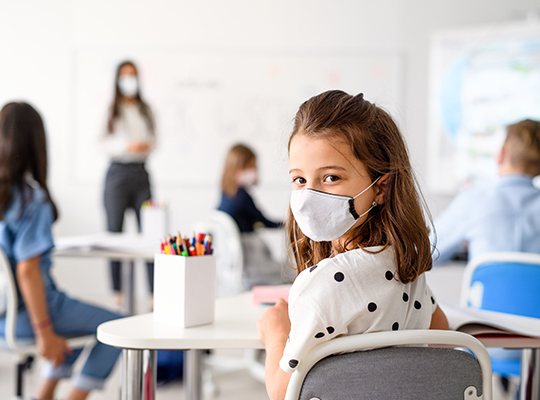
x,y
234,327
115,246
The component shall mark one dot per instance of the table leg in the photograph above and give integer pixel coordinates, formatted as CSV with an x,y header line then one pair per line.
x,y
193,374
530,375
128,286
139,375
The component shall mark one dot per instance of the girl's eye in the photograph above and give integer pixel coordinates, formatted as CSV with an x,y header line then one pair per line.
x,y
331,178
299,180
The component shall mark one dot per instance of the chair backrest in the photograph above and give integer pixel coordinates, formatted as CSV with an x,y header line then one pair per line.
x,y
505,282
227,246
8,290
394,372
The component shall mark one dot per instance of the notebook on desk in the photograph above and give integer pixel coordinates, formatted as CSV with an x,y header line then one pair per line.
x,y
268,295
490,323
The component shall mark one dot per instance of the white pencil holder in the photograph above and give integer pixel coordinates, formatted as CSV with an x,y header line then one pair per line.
x,y
184,290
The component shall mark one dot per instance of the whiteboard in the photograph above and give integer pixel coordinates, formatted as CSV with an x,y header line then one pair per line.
x,y
206,101
481,80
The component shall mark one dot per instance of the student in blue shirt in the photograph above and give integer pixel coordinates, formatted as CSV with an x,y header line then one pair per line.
x,y
239,174
27,213
504,216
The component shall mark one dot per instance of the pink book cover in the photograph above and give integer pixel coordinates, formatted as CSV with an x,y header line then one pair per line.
x,y
268,295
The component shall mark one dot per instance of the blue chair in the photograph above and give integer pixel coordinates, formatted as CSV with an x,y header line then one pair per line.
x,y
503,282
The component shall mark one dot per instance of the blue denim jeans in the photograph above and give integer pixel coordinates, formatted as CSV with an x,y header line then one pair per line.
x,y
70,317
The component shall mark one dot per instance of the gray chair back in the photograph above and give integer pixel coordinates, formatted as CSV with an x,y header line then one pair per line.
x,y
394,365
395,373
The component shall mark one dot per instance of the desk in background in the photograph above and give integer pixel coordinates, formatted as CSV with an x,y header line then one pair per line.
x,y
115,246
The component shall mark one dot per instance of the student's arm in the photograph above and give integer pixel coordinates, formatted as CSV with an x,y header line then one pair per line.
x,y
274,327
50,345
451,228
257,215
438,320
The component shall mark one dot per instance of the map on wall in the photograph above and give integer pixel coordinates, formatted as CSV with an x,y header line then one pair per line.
x,y
481,80
205,101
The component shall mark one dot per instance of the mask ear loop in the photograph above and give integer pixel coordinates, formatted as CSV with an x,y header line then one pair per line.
x,y
365,190
374,204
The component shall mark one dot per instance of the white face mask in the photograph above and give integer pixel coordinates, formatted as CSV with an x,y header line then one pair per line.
x,y
324,217
128,85
247,177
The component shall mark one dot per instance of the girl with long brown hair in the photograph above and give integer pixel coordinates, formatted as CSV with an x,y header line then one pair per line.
x,y
27,213
357,232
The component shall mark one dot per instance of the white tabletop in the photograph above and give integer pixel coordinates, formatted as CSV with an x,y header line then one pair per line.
x,y
235,327
107,245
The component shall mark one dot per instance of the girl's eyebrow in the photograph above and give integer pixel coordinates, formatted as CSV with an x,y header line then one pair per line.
x,y
332,167
328,167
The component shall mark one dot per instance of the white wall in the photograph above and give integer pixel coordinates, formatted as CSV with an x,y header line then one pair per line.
x,y
38,40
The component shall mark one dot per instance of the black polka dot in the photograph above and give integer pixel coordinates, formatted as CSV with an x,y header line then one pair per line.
x,y
372,307
339,276
417,305
293,363
389,275
319,335
313,268
330,329
405,297
395,327
432,300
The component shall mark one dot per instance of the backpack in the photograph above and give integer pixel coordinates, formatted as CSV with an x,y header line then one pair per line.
x,y
170,365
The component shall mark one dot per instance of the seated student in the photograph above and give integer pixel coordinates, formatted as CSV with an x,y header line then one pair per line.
x,y
239,174
27,213
357,233
504,216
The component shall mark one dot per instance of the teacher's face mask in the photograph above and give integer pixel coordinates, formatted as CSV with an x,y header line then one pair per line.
x,y
324,217
128,85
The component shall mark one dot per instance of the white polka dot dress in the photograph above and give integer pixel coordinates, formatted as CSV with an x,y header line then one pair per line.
x,y
351,293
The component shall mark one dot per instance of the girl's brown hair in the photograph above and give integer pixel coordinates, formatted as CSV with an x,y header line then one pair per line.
x,y
115,108
23,151
376,141
238,158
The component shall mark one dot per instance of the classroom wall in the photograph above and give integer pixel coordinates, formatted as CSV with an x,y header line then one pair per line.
x,y
38,40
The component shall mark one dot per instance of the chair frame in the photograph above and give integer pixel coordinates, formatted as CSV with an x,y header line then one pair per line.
x,y
233,243
525,258
25,349
369,341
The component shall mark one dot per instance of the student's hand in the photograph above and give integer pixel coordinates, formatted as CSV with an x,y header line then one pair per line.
x,y
138,147
275,325
52,347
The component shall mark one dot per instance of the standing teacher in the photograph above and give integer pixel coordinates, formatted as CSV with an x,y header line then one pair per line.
x,y
128,140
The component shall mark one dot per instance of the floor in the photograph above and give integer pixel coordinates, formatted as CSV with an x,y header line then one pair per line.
x,y
238,385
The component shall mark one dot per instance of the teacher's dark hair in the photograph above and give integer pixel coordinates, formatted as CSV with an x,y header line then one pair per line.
x,y
115,108
23,151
